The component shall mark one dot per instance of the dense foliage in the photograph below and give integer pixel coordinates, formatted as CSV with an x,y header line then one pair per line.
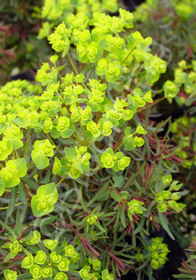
x,y
83,164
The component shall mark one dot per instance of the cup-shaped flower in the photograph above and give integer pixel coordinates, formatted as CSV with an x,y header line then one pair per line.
x,y
61,276
93,128
101,67
80,77
43,202
27,262
15,248
176,205
94,52
56,166
84,272
148,97
74,173
106,275
123,163
48,125
113,71
75,112
40,206
114,116
64,264
55,258
96,263
46,272
86,115
69,251
135,207
138,141
161,196
170,90
140,129
162,206
167,180
6,148
33,238
50,244
59,39
13,134
42,150
40,257
10,274
107,128
127,18
96,96
14,170
91,219
35,271
82,53
107,158
63,123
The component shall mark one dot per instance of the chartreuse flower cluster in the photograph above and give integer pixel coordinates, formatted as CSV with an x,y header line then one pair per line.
x,y
167,199
135,208
132,208
158,252
183,9
113,56
43,202
182,129
51,259
81,127
57,11
183,88
75,108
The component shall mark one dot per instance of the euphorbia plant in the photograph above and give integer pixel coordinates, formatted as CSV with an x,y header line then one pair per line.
x,y
75,148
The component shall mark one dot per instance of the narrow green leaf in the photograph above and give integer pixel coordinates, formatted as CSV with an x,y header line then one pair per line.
x,y
21,193
140,226
164,223
122,215
115,227
18,223
100,195
8,257
115,196
29,183
44,222
12,202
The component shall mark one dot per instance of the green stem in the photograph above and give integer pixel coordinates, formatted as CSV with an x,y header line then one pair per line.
x,y
152,104
30,165
72,64
27,142
74,68
6,207
61,180
119,146
127,57
52,142
77,136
